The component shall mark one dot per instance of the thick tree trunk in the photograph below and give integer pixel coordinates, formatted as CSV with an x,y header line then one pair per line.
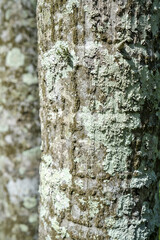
x,y
19,124
100,92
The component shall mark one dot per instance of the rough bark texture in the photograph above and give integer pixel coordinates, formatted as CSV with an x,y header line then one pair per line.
x,y
19,124
100,92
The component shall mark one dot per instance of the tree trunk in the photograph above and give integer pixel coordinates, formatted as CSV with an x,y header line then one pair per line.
x,y
19,124
99,93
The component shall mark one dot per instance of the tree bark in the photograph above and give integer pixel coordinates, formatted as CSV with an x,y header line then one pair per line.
x,y
19,123
99,93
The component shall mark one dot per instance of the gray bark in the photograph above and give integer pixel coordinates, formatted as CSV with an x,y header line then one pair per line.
x,y
19,123
99,93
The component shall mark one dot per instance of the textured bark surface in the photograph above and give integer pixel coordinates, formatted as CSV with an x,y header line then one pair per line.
x,y
99,92
19,123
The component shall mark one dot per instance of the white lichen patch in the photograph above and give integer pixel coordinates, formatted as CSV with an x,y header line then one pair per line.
x,y
79,182
23,228
96,128
21,188
60,51
30,203
58,62
33,218
91,49
77,160
143,179
125,205
51,182
61,231
47,159
109,222
93,207
61,176
109,131
70,4
15,58
43,210
29,79
138,228
116,159
48,238
120,230
61,201
82,201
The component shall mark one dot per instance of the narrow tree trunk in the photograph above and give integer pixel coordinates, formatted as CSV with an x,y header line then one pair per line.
x,y
19,124
100,92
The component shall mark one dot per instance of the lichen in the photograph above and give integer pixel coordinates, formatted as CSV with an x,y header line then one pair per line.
x,y
30,203
70,4
125,205
61,231
15,58
101,113
103,131
29,79
143,179
79,183
48,238
19,128
24,228
58,62
93,207
52,180
33,218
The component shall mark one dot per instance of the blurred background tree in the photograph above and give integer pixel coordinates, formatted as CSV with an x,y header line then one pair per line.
x,y
19,122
